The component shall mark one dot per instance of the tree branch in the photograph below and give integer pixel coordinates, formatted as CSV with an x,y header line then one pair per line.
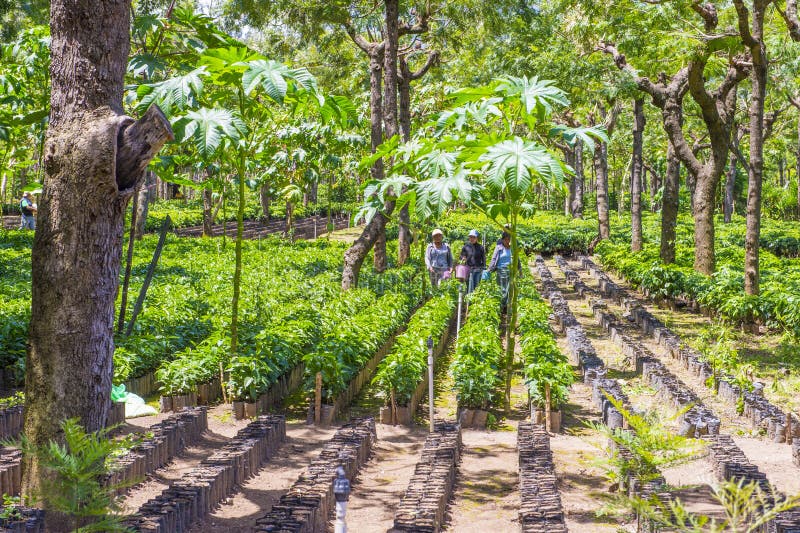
x,y
433,58
138,144
657,92
743,15
708,12
790,16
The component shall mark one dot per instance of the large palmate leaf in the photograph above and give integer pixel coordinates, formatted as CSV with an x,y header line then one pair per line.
x,y
207,129
338,109
537,97
274,77
146,65
584,134
228,64
514,165
174,94
435,195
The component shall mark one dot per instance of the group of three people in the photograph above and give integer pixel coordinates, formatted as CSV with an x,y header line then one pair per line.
x,y
439,260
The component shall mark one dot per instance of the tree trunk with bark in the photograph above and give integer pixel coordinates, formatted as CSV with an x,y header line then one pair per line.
x,y
391,40
94,158
578,182
142,204
265,199
753,37
729,199
601,171
636,175
375,228
669,205
208,213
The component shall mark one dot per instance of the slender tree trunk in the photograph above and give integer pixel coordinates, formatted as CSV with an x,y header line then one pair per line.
x,y
237,271
208,213
265,199
691,184
706,192
355,255
730,184
94,159
797,165
404,235
636,175
391,40
758,94
579,182
142,204
601,162
669,205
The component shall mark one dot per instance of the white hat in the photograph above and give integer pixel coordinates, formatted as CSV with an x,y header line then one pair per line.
x,y
474,233
436,232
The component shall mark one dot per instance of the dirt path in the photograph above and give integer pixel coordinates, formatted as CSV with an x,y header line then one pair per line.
x,y
257,496
382,483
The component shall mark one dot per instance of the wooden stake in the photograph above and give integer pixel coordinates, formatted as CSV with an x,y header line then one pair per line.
x,y
318,399
394,408
788,427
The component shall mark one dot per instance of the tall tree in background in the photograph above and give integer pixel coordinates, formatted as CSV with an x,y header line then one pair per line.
x,y
601,170
637,168
717,108
94,159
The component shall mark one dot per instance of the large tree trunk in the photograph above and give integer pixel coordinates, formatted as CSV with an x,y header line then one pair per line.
x,y
758,94
636,175
669,205
797,165
95,156
705,195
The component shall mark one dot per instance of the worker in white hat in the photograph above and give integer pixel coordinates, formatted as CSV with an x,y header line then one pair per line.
x,y
474,256
438,258
27,210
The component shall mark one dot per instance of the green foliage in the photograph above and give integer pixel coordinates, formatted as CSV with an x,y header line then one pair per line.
x,y
342,353
747,509
78,470
478,358
545,365
401,371
642,448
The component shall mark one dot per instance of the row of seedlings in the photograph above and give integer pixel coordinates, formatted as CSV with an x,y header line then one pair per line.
x,y
402,375
424,505
169,438
191,498
478,356
347,357
780,426
308,504
727,459
696,419
606,393
540,510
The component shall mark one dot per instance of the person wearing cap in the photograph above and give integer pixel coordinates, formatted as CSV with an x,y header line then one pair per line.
x,y
474,256
438,258
501,262
27,211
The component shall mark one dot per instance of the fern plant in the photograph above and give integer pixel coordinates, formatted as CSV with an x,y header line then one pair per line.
x,y
76,490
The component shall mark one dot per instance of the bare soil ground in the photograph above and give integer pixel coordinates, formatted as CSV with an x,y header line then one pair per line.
x,y
775,460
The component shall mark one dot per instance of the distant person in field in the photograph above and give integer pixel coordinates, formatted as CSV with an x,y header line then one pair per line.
x,y
27,211
438,258
501,263
474,256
